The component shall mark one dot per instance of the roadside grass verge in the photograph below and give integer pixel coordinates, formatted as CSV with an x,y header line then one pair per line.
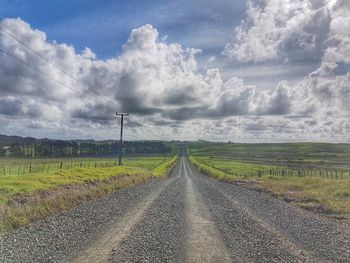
x,y
329,197
165,168
25,166
25,199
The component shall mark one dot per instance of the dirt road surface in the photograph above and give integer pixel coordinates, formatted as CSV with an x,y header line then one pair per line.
x,y
187,217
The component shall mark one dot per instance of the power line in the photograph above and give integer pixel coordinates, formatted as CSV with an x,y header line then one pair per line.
x,y
37,70
51,63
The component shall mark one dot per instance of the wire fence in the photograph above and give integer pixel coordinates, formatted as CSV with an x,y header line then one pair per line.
x,y
324,173
44,167
33,167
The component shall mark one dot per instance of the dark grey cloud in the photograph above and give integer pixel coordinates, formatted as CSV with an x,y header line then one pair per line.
x,y
186,113
234,102
164,122
92,116
16,108
279,102
10,107
255,127
181,97
307,43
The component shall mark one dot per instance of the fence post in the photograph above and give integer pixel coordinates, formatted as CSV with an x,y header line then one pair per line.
x,y
61,165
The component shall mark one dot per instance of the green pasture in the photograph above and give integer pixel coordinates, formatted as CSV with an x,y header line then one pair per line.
x,y
235,167
314,176
293,155
28,166
73,173
25,198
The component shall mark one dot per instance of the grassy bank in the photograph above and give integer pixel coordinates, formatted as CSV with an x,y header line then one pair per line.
x,y
24,166
330,197
26,198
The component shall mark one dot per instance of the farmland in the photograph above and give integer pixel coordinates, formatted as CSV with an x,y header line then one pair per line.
x,y
16,166
32,189
313,176
291,155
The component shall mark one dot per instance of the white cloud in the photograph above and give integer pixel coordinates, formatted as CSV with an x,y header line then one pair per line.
x,y
291,30
160,84
338,49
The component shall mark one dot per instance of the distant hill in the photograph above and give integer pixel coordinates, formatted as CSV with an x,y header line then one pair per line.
x,y
6,140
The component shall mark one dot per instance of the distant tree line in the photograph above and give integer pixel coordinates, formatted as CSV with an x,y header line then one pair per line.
x,y
53,148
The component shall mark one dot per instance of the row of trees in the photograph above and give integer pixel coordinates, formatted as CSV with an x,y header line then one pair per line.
x,y
81,149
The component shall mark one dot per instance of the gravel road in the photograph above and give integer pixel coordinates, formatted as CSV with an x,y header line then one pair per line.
x,y
187,217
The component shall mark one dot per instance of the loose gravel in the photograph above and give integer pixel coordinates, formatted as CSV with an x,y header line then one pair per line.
x,y
160,236
309,236
54,239
253,226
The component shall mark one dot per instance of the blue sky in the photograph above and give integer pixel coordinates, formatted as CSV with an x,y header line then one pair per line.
x,y
104,26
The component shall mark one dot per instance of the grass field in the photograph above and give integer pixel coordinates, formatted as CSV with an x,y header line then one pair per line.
x,y
310,175
27,197
10,166
292,155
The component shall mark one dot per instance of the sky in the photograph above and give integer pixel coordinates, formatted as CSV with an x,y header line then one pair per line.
x,y
241,71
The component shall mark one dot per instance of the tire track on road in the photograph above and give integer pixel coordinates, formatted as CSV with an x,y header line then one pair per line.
x,y
101,248
283,242
160,235
323,239
203,240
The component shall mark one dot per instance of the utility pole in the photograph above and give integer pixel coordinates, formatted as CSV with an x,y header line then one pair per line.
x,y
121,134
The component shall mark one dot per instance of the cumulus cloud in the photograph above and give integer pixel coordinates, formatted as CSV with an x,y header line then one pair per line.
x,y
312,31
234,99
276,102
293,31
161,86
